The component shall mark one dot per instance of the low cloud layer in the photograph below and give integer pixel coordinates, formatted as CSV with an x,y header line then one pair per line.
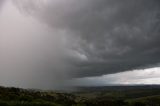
x,y
134,77
55,40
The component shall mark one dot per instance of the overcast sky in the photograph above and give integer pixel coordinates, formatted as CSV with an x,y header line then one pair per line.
x,y
45,43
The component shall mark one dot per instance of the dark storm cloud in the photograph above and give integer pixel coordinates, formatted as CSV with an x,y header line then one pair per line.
x,y
108,35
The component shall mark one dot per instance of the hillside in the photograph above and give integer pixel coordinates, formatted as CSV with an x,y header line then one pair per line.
x,y
85,96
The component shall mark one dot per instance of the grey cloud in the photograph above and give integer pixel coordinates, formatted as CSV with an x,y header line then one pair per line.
x,y
114,35
1,3
31,52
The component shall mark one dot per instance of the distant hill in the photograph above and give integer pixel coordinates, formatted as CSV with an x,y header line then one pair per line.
x,y
117,87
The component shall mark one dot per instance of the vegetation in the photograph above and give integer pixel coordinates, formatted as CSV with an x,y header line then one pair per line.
x,y
85,97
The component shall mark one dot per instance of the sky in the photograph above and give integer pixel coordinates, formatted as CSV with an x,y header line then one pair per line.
x,y
53,44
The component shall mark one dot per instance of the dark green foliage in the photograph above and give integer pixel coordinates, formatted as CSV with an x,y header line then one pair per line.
x,y
138,104
132,97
